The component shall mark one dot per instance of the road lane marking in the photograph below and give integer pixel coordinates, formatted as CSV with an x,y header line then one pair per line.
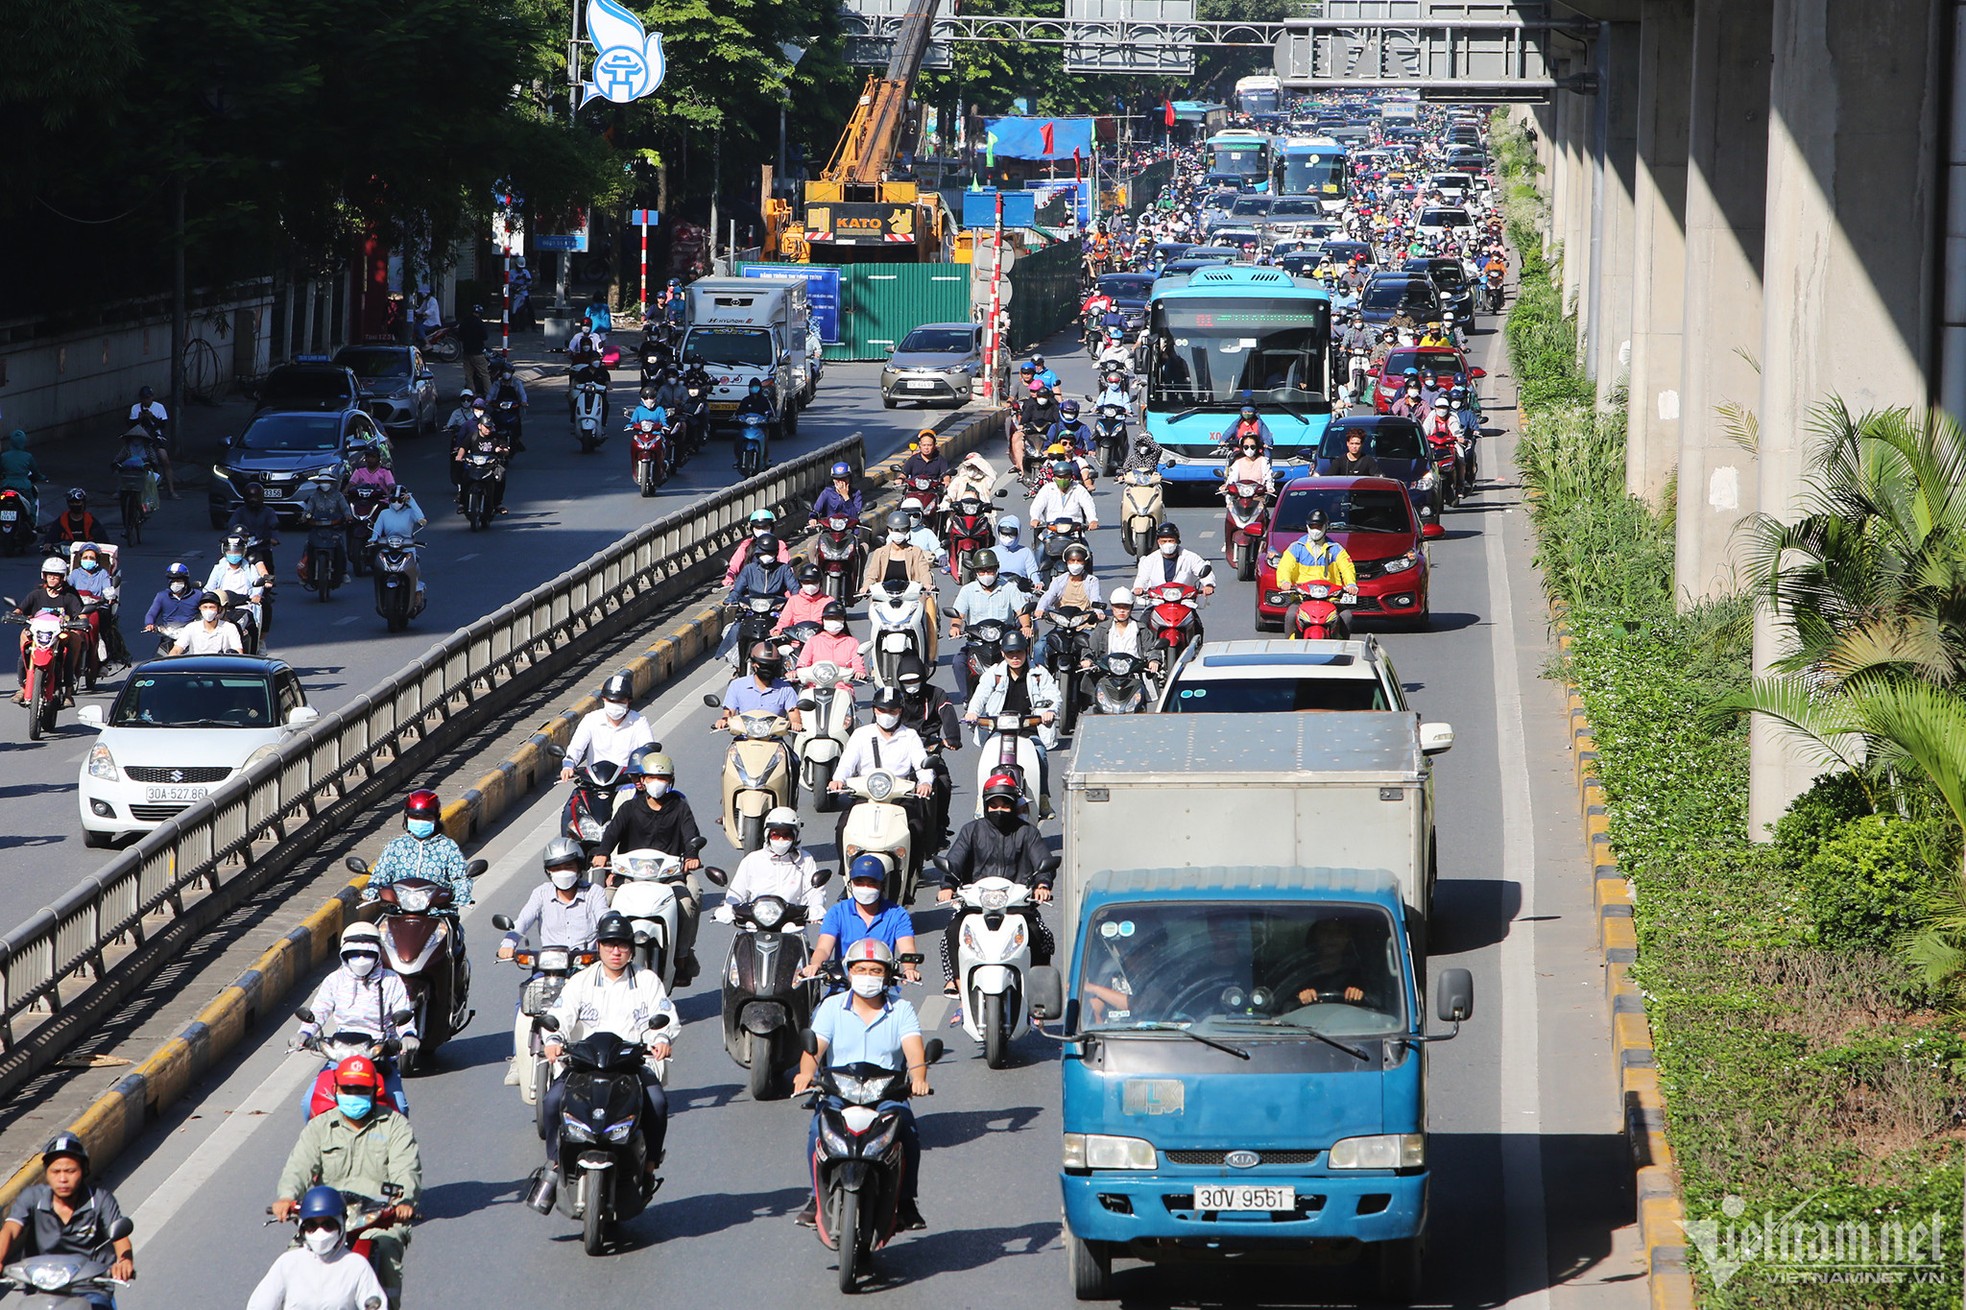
x,y
466,559
344,622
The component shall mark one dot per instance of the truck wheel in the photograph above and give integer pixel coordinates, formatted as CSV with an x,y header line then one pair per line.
x,y
1399,1270
1091,1267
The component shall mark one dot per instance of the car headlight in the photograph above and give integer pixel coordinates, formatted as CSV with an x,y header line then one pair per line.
x,y
263,753
101,763
220,472
1427,481
1385,1151
1098,1151
1403,563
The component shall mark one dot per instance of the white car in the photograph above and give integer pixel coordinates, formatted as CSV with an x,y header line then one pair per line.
x,y
1439,222
179,728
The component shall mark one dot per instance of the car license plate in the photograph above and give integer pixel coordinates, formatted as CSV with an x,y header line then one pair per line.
x,y
1230,1197
723,407
913,385
159,795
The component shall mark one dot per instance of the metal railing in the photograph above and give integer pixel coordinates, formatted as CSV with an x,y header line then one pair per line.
x,y
61,956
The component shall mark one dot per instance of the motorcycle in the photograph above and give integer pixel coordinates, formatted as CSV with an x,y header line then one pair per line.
x,y
602,1155
993,958
508,420
1071,629
969,530
765,1004
648,451
826,709
929,492
365,501
1109,437
398,574
442,345
760,773
645,891
597,789
17,522
982,648
841,555
751,430
49,682
1317,613
1119,684
1173,616
420,941
1359,378
589,404
755,617
320,564
1142,508
1245,525
878,826
239,613
1009,744
697,413
975,476
547,969
66,1282
897,615
1494,287
1446,451
856,1173
1058,534
483,469
337,1046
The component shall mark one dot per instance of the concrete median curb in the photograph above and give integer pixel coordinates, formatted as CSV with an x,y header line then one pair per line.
x,y
1661,1211
120,1115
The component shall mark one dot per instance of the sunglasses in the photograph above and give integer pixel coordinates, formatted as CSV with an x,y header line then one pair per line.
x,y
361,955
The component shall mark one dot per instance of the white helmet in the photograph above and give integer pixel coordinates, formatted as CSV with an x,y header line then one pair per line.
x,y
1122,596
784,816
361,937
52,564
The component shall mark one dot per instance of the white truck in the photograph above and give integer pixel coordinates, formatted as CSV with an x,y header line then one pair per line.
x,y
743,328
1347,790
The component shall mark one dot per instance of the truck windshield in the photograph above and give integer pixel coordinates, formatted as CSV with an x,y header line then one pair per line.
x,y
732,345
1330,967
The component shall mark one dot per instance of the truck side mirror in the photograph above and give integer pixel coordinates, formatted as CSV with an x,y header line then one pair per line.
x,y
1453,995
1436,738
1047,993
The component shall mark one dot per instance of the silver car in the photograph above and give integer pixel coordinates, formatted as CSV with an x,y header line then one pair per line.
x,y
398,389
935,362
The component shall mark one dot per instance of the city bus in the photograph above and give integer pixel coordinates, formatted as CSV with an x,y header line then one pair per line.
x,y
1316,166
1241,158
1231,335
1259,97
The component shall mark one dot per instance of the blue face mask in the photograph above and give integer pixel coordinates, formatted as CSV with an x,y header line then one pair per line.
x,y
421,828
90,566
235,559
354,1104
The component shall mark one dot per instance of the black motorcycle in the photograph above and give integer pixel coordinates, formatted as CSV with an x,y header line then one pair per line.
x,y
1118,684
982,648
591,805
765,1004
1051,561
756,617
1071,629
482,472
325,544
1109,438
602,1156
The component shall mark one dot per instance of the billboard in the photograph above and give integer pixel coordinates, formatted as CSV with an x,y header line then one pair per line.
x,y
822,292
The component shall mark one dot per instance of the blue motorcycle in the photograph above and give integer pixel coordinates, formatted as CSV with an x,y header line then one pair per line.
x,y
751,436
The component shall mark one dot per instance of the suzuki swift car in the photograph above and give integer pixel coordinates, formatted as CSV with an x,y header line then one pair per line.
x,y
1373,519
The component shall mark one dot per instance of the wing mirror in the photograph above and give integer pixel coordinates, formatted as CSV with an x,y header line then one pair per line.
x,y
1454,996
1436,738
1047,993
90,715
300,716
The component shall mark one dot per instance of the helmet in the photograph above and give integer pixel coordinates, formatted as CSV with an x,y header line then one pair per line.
x,y
207,598
1120,596
146,393
614,927
77,496
323,1202
1077,550
926,434
254,493
840,469
423,804
984,560
53,564
1249,411
177,571
897,522
809,572
357,1071
1002,786
1026,368
887,698
619,686
766,659
65,1144
1037,361
561,850
465,394
233,541
1168,531
784,816
1015,642
910,674
372,453
1069,408
647,762
762,518
868,948
866,866
832,609
1317,519
1062,468
361,937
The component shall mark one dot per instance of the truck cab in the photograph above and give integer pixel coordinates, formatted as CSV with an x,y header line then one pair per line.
x,y
745,328
1245,1066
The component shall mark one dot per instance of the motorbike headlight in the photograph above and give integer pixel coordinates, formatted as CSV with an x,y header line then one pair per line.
x,y
1385,1151
832,1139
880,1141
995,898
553,960
1403,563
49,1278
618,1133
414,899
575,1128
590,828
768,914
101,763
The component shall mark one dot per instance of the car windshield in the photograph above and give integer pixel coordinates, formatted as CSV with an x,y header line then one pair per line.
x,y
1344,250
1444,218
298,433
1317,175
1270,968
1295,207
1126,286
1396,295
1364,509
164,698
936,341
1384,440
1278,693
1447,273
1250,206
728,345
375,363
303,388
1427,361
1209,354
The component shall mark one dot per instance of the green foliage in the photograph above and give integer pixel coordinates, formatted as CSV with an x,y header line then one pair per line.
x,y
1867,885
1817,815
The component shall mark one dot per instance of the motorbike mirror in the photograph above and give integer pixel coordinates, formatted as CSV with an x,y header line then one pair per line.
x,y
355,864
121,1228
1046,990
820,877
476,869
908,957
809,1041
546,1023
502,922
401,1017
714,701
932,1050
658,1025
716,876
304,1014
697,843
555,750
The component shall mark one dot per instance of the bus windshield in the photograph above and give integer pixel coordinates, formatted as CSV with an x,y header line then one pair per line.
x,y
1322,175
1239,159
1208,355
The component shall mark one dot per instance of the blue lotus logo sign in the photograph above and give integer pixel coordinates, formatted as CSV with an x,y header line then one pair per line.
x,y
627,60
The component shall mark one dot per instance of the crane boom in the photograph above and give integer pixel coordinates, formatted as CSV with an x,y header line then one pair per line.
x,y
880,121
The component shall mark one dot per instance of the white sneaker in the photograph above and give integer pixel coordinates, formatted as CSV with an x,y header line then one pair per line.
x,y
511,1073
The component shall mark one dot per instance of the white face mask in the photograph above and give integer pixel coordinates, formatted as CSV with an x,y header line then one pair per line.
x,y
986,580
1075,568
656,787
897,537
866,895
617,709
322,1241
1315,534
1170,548
809,588
834,626
564,879
361,965
885,720
868,985
779,845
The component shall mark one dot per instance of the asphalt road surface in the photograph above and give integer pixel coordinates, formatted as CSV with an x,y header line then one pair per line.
x,y
1531,1200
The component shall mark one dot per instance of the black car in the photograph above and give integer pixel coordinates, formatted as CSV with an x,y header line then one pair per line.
x,y
1166,252
309,384
1450,278
1387,293
1342,252
1130,292
1402,453
281,449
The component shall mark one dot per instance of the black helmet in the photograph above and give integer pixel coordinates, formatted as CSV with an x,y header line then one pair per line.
x,y
65,1144
765,659
809,572
1317,519
887,698
619,686
614,927
1168,532
832,609
984,560
765,545
254,493
910,674
146,393
1015,641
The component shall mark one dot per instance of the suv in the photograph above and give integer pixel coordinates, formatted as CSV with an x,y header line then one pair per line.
x,y
1388,293
1272,676
281,449
1450,277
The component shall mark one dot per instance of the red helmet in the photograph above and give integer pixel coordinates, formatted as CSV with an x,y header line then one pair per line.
x,y
423,804
357,1071
1002,785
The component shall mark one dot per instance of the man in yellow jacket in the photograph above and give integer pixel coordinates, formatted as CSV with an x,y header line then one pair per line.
x,y
1314,557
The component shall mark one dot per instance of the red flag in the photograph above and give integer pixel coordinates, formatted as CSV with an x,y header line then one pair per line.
x,y
1044,135
1077,176
1167,112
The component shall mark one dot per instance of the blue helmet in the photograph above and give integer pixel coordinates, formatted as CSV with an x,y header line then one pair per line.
x,y
323,1202
842,469
867,866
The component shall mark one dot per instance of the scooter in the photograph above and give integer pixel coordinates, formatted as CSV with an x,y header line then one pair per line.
x,y
765,1004
969,530
755,617
168,635
365,501
67,1282
337,1046
508,419
602,1156
420,941
697,412
648,455
320,566
897,615
589,404
398,581
48,679
827,712
1109,437
977,477
1119,684
17,525
760,773
929,492
751,435
547,969
1245,525
841,555
597,789
1008,743
982,648
1173,616
1058,534
993,957
878,826
1071,630
1318,611
645,883
1142,507
856,1173
482,469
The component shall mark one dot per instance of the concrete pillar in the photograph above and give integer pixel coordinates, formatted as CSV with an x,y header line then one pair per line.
x,y
1952,336
1726,195
1850,300
1576,112
1608,332
1665,94
1562,176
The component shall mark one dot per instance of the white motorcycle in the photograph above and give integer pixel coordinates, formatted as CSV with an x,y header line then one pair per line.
x,y
589,407
878,826
827,712
1009,741
897,614
647,891
993,957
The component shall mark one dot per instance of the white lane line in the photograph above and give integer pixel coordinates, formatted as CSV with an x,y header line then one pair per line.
x,y
344,622
1526,1256
466,559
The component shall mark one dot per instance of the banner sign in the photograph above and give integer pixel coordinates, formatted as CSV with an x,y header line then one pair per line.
x,y
1040,138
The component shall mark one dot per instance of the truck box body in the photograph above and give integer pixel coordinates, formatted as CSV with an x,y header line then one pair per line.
x,y
723,307
1350,790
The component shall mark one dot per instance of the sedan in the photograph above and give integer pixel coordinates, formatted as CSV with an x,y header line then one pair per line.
x,y
1450,276
1442,361
179,728
1373,519
935,362
1130,293
281,450
1402,454
1442,222
1388,293
397,387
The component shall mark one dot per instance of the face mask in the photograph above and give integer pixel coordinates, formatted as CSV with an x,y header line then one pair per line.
x,y
867,985
179,588
1075,568
1002,820
356,1105
1315,534
986,580
767,561
1412,391
359,963
886,721
564,879
834,626
420,828
90,566
209,616
235,559
616,710
780,845
809,588
866,895
761,529
1170,547
1008,534
897,538
321,1241
656,787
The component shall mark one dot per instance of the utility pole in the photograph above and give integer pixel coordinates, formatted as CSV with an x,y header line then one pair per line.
x,y
178,310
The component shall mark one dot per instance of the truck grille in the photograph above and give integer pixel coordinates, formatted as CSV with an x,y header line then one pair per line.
x,y
153,773
1221,1157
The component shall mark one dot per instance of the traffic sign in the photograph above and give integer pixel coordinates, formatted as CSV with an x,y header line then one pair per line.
x,y
645,217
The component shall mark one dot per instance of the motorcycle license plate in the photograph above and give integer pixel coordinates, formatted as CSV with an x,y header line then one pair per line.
x,y
9,515
1243,1197
162,795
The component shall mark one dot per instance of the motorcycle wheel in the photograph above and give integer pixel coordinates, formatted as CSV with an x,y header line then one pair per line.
x,y
1112,465
760,1078
751,832
593,1226
1143,543
37,694
1246,564
822,778
542,1078
851,1247
996,1032
446,350
323,581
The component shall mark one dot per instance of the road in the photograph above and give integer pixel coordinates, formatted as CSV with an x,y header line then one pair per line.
x,y
564,507
1531,1203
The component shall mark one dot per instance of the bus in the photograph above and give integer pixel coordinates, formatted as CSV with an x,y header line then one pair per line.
x,y
1259,97
1317,166
1227,336
1241,158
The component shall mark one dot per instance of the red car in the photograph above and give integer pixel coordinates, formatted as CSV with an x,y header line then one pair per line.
x,y
1373,519
1444,361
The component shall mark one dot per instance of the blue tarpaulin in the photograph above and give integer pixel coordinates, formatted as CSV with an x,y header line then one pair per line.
x,y
1039,138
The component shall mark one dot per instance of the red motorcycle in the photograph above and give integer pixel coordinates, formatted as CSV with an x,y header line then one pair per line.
x,y
929,492
969,530
1447,463
50,677
1173,616
366,500
840,555
1245,525
1317,613
648,455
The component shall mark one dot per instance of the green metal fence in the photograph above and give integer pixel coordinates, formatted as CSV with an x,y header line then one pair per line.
x,y
881,303
1047,293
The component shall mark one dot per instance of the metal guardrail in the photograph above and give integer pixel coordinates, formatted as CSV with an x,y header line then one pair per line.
x,y
58,957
